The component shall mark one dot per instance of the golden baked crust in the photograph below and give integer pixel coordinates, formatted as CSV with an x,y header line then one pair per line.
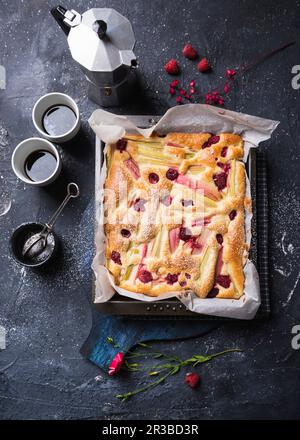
x,y
174,209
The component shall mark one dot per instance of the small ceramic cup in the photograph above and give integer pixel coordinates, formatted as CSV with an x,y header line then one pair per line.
x,y
51,100
19,237
24,149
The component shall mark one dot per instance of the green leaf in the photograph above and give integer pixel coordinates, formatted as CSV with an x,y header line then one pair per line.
x,y
202,358
110,340
131,367
142,344
175,370
123,397
153,373
189,361
133,364
199,359
164,366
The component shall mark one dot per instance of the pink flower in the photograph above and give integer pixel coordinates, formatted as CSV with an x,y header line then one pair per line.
x,y
116,364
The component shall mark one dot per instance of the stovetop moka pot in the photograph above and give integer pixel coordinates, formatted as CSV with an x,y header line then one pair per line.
x,y
101,41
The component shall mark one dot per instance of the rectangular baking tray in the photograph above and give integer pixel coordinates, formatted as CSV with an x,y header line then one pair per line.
x,y
171,308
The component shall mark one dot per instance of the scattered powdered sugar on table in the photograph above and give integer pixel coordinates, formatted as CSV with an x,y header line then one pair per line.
x,y
5,202
5,198
286,211
293,289
282,271
3,136
282,243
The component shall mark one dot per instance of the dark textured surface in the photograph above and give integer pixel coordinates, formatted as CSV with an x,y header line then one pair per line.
x,y
47,314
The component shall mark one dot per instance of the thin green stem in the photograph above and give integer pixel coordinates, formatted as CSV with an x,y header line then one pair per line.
x,y
126,396
230,350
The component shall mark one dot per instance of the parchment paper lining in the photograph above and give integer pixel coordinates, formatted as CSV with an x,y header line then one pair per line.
x,y
187,118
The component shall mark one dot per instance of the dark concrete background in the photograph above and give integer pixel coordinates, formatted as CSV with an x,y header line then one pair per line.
x,y
47,313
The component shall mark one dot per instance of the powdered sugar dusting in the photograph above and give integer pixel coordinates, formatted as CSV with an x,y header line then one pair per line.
x,y
293,289
286,213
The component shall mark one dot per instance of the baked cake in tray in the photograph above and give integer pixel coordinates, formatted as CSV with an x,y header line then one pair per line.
x,y
174,214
